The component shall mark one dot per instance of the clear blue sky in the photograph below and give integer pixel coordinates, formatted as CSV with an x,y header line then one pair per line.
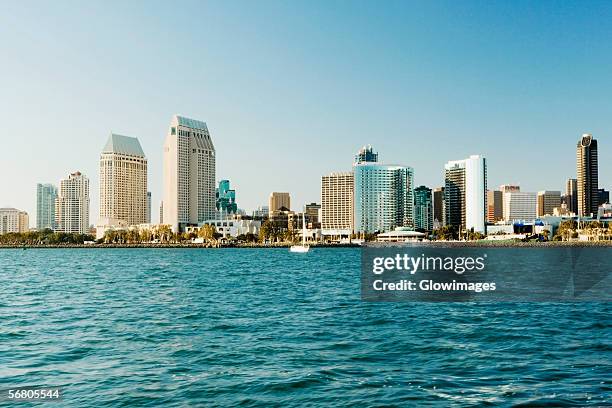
x,y
290,90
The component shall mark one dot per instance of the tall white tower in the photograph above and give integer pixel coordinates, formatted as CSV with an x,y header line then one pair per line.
x,y
189,174
72,204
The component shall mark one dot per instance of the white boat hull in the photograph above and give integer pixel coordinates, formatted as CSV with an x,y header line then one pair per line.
x,y
299,248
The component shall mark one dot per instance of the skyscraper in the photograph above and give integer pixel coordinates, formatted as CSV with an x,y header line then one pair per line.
x,y
189,174
465,193
587,171
337,193
571,195
366,155
123,181
46,194
495,206
72,204
438,207
423,208
547,202
277,201
226,198
148,216
383,197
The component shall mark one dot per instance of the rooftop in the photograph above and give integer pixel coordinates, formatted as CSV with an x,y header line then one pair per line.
x,y
127,145
191,123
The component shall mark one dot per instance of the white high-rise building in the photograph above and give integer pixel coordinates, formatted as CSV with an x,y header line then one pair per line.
x,y
72,204
123,181
189,174
520,206
465,193
13,220
337,199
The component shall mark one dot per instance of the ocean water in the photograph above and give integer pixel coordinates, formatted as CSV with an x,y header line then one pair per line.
x,y
264,327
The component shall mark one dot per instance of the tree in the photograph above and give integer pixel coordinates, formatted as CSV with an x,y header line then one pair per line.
x,y
446,233
207,232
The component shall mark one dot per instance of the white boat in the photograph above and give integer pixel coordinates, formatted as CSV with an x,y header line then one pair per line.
x,y
301,248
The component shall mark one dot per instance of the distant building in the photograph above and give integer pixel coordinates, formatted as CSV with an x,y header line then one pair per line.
x,y
226,199
13,220
438,207
603,196
587,170
383,197
72,204
261,212
366,155
465,193
495,206
148,214
520,206
423,208
278,202
547,202
337,195
46,194
161,213
230,227
189,174
571,195
123,180
312,211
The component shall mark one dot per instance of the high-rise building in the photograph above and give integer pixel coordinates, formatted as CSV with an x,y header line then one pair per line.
x,y
148,215
547,202
603,197
509,188
587,171
46,194
161,212
337,194
423,208
520,206
72,204
279,202
226,199
366,155
123,181
312,211
571,195
384,197
189,174
13,220
465,193
495,206
438,207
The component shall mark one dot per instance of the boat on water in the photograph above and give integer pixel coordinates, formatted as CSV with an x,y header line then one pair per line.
x,y
301,248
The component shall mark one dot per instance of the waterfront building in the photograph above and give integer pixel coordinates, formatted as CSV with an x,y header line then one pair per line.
x,y
46,194
123,180
423,208
13,220
495,206
366,155
312,212
226,199
337,194
438,207
520,206
72,204
230,228
279,202
465,193
603,196
384,197
587,171
189,174
148,213
547,202
571,195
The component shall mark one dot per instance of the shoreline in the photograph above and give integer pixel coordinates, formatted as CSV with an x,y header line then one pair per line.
x,y
442,244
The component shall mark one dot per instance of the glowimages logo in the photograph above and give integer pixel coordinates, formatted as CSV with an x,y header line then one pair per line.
x,y
413,264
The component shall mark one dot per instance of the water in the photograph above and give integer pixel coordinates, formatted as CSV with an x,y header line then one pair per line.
x,y
253,327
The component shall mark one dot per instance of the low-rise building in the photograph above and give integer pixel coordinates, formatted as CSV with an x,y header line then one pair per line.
x,y
13,220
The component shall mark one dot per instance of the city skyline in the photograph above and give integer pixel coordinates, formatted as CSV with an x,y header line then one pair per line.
x,y
420,99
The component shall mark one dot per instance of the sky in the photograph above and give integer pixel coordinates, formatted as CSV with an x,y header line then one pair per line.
x,y
291,89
